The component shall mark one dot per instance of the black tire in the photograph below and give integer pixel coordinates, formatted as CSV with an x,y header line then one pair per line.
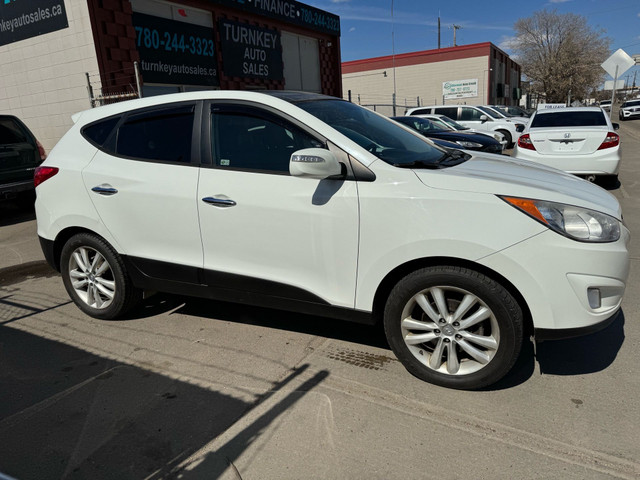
x,y
125,295
507,137
505,321
609,182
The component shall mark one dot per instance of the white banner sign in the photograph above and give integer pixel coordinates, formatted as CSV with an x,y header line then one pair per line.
x,y
608,85
460,88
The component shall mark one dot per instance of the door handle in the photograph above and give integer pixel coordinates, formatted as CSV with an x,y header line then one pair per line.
x,y
219,202
104,189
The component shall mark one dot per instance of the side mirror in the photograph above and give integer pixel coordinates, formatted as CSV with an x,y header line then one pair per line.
x,y
314,163
483,118
616,126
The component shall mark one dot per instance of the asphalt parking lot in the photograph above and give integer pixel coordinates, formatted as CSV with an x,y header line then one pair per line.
x,y
195,389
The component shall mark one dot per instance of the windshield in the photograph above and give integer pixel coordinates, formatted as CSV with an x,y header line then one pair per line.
x,y
442,124
569,119
491,112
382,137
421,125
504,111
455,125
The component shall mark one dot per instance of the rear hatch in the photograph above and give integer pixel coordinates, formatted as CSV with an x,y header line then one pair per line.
x,y
567,141
19,154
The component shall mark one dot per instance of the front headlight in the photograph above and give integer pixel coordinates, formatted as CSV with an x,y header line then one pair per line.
x,y
465,144
576,223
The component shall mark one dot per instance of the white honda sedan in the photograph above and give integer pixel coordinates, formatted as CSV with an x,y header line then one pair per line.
x,y
313,204
580,140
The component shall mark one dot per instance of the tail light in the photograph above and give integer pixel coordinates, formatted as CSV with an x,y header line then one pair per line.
x,y
43,173
612,140
43,155
525,142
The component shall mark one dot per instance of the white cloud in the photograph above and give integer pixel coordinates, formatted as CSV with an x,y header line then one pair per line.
x,y
559,1
352,29
340,1
507,42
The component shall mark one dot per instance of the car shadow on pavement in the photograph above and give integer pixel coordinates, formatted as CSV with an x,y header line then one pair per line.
x,y
371,335
69,413
582,355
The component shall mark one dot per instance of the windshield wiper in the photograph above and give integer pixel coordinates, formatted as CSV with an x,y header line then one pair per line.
x,y
453,157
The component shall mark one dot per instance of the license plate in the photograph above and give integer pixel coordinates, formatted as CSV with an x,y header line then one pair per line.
x,y
566,147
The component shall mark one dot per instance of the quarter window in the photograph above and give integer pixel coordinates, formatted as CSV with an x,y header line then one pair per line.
x,y
247,138
158,135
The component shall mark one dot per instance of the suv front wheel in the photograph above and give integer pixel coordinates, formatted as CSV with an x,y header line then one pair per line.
x,y
95,277
454,327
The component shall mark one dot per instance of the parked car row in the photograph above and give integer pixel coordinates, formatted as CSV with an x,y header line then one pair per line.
x,y
313,204
476,117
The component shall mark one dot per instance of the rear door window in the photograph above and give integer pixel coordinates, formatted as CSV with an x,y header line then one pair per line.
x,y
451,112
158,135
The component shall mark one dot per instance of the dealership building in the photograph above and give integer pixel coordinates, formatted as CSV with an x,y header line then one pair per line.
x,y
477,74
59,57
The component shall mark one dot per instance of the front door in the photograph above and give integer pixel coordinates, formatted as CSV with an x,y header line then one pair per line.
x,y
265,231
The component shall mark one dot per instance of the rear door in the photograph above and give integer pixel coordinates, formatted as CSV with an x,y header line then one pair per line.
x,y
143,184
18,152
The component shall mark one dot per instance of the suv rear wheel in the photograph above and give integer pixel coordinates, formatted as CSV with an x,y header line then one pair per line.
x,y
95,277
454,327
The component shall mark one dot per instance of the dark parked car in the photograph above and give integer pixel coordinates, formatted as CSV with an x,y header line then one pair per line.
x,y
20,154
467,141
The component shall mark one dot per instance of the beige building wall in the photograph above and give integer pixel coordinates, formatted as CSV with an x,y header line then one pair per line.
x,y
42,79
422,81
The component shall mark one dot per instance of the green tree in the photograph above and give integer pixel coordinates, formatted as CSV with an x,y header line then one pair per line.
x,y
560,53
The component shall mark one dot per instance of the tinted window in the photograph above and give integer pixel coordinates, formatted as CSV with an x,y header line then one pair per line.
x,y
422,111
382,137
569,119
98,132
249,138
632,103
451,112
470,114
11,132
157,135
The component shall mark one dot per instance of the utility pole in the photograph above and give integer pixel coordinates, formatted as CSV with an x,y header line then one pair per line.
x,y
455,28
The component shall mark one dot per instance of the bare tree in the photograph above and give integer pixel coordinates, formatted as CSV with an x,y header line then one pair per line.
x,y
560,54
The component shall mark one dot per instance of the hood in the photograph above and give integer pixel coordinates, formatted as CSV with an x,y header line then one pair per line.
x,y
500,175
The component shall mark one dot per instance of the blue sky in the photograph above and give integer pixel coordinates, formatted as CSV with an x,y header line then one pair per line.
x,y
367,24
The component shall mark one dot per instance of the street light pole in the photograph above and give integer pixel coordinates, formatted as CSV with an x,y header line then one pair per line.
x,y
393,58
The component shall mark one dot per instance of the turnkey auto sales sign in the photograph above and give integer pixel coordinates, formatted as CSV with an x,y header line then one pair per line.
x,y
21,19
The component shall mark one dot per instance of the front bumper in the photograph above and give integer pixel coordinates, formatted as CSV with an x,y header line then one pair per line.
x,y
555,275
627,114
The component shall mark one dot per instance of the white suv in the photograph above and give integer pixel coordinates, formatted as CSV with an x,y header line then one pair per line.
x,y
478,118
313,204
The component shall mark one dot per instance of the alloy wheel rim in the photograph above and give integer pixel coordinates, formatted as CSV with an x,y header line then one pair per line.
x,y
450,330
92,278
